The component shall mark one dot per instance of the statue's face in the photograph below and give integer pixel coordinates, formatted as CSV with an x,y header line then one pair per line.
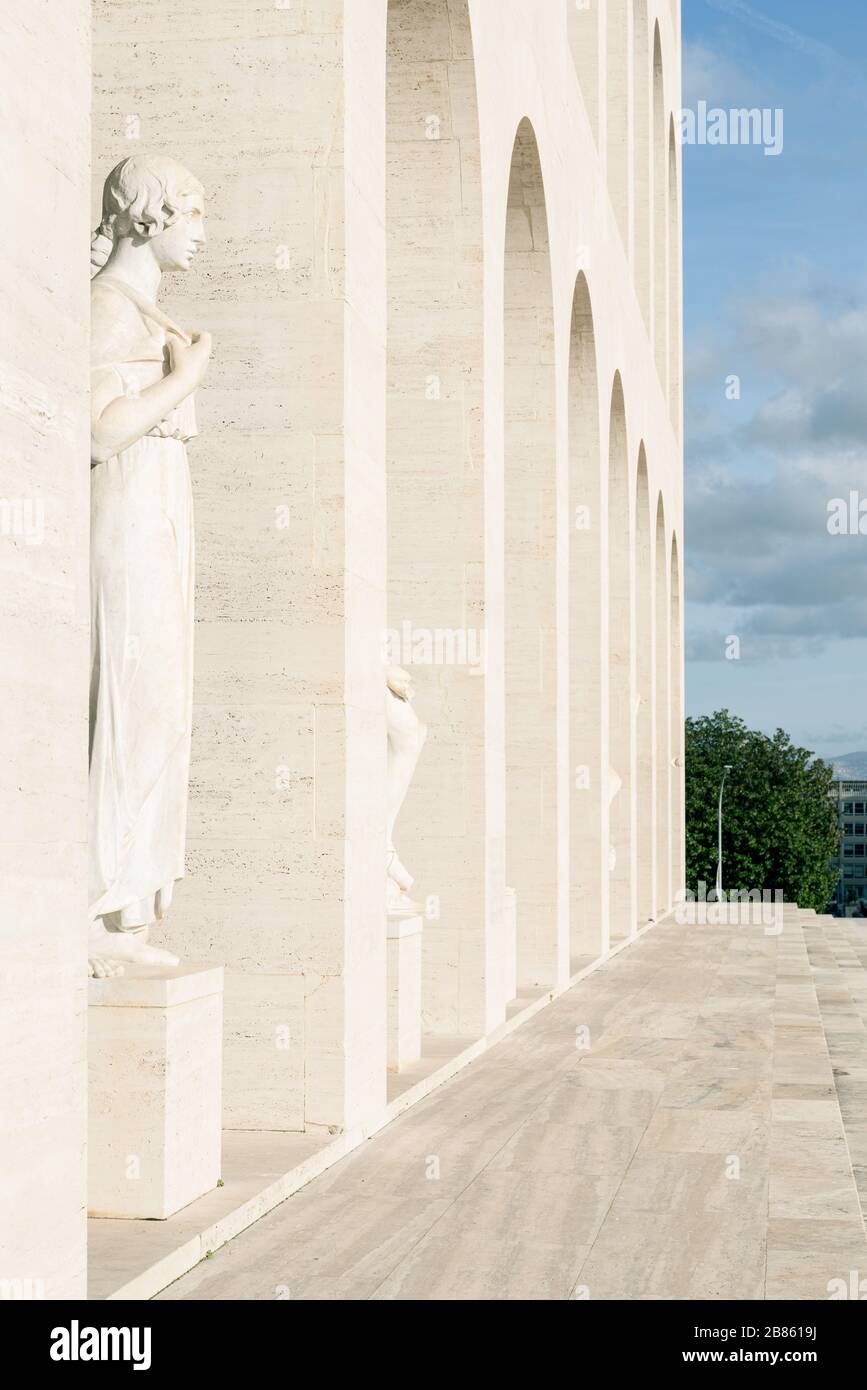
x,y
176,246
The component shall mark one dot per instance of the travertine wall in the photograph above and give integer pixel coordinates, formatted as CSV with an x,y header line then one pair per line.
x,y
439,336
644,699
436,475
279,111
588,863
44,644
619,560
446,391
530,591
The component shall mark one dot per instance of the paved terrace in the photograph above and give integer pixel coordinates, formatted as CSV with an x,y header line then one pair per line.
x,y
708,1143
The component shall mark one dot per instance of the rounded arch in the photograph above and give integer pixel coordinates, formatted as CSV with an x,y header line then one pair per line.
x,y
582,24
678,860
434,473
660,224
620,880
617,106
530,571
662,706
674,283
587,770
641,127
643,708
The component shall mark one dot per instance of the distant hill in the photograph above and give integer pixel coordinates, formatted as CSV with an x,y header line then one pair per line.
x,y
851,767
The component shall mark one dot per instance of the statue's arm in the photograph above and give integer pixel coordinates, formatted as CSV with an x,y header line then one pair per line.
x,y
118,421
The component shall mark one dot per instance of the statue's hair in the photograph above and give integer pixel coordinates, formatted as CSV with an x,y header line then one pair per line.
x,y
142,195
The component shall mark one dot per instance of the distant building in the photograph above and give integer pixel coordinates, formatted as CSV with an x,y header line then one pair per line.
x,y
851,801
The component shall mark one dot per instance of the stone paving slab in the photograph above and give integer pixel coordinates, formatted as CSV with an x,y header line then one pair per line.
x,y
670,1128
837,951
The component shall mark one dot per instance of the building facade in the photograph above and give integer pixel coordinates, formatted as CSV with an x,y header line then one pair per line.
x,y
851,802
443,415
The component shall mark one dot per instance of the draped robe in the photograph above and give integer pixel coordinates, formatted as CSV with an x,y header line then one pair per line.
x,y
142,582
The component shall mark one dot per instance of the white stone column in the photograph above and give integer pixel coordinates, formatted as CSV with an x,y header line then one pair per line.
x,y
44,646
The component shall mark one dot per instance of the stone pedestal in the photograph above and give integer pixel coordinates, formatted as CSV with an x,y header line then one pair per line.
x,y
154,1089
404,991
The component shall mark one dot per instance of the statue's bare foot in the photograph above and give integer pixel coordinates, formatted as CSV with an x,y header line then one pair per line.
x,y
127,946
98,968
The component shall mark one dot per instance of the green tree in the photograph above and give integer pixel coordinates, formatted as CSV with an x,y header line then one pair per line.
x,y
780,826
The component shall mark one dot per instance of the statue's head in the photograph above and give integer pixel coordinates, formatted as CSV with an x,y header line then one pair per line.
x,y
156,202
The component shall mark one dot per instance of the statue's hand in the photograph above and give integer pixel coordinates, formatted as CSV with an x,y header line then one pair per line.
x,y
189,363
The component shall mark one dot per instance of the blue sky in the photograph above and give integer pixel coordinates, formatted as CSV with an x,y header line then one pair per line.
x,y
775,284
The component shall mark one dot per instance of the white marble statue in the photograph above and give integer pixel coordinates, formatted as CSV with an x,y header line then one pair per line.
x,y
406,736
144,372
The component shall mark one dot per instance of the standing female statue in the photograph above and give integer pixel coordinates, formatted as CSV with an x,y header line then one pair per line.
x,y
144,372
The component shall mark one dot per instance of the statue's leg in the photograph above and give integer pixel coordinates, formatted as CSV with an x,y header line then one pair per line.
x,y
140,698
406,736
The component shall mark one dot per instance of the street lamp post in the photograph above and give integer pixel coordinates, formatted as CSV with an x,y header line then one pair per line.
x,y
726,772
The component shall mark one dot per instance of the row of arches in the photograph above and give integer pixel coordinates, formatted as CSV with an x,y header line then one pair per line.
x,y
643,694
619,66
519,749
644,688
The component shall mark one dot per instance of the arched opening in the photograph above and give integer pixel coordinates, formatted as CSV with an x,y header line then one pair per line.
x,y
660,223
530,570
582,22
675,648
674,284
663,721
435,480
617,104
643,696
641,158
587,769
620,876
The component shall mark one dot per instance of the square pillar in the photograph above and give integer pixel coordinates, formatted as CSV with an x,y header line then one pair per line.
x,y
44,647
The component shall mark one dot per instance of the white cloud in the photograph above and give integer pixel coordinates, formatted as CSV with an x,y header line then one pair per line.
x,y
761,474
